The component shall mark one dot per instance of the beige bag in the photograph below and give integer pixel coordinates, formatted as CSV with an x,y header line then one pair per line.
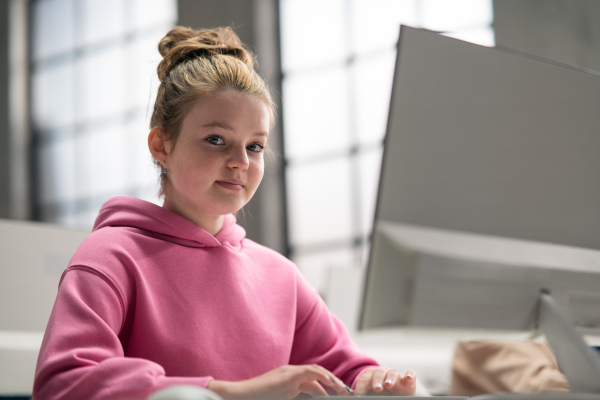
x,y
481,367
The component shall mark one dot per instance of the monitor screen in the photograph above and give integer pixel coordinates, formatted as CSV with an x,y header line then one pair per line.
x,y
489,190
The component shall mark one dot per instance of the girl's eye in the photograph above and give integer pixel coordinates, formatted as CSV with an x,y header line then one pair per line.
x,y
256,148
215,140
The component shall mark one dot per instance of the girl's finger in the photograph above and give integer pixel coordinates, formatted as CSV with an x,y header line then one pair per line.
x,y
406,386
410,376
363,384
340,387
377,380
391,378
326,378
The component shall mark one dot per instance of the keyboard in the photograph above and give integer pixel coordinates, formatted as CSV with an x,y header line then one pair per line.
x,y
393,398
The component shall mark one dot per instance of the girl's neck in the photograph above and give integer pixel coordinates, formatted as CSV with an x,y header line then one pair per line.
x,y
210,223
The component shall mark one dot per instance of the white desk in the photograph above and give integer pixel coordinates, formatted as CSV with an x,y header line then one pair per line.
x,y
18,357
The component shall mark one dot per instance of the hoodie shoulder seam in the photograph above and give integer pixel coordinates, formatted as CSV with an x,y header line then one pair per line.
x,y
108,280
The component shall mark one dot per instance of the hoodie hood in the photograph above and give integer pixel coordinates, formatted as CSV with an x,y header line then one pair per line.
x,y
123,211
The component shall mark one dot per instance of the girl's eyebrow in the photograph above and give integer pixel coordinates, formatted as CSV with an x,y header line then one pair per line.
x,y
217,125
229,128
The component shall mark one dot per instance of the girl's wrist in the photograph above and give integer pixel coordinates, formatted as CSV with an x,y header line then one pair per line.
x,y
227,390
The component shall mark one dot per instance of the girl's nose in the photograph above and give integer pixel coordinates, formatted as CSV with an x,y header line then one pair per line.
x,y
238,158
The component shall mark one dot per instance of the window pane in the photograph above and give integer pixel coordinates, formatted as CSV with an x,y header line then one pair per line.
x,y
373,87
52,101
316,113
101,20
483,36
106,158
102,83
315,266
149,13
142,58
138,160
80,219
149,194
444,15
312,33
319,207
56,165
54,27
82,144
376,23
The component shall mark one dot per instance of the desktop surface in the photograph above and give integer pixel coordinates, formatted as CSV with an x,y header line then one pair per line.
x,y
494,396
395,397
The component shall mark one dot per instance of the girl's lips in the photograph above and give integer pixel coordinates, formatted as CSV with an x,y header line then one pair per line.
x,y
232,185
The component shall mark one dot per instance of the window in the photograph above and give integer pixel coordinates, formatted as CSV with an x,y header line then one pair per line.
x,y
93,85
338,61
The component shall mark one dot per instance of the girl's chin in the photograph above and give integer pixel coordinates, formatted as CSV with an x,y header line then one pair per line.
x,y
222,211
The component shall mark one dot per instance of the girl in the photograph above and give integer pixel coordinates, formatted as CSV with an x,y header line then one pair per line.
x,y
172,295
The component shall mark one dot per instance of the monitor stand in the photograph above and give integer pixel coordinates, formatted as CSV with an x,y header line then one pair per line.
x,y
579,363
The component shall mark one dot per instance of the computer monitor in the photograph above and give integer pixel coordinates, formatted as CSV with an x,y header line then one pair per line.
x,y
489,197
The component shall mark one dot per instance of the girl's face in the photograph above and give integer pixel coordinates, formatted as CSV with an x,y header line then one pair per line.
x,y
217,163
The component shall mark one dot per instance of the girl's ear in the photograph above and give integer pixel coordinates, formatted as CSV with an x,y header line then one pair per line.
x,y
158,145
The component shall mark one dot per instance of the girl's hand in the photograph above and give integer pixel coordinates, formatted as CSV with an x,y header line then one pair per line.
x,y
385,381
282,383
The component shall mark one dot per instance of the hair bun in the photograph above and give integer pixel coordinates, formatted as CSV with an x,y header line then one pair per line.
x,y
181,44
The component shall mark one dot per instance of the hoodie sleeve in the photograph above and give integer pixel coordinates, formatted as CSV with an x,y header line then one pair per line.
x,y
321,338
81,355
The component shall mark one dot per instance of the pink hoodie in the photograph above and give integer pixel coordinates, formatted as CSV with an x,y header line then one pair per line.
x,y
150,300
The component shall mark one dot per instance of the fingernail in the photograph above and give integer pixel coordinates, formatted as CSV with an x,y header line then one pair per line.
x,y
410,375
378,385
388,382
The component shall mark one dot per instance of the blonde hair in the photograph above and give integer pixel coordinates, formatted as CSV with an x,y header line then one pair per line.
x,y
200,63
